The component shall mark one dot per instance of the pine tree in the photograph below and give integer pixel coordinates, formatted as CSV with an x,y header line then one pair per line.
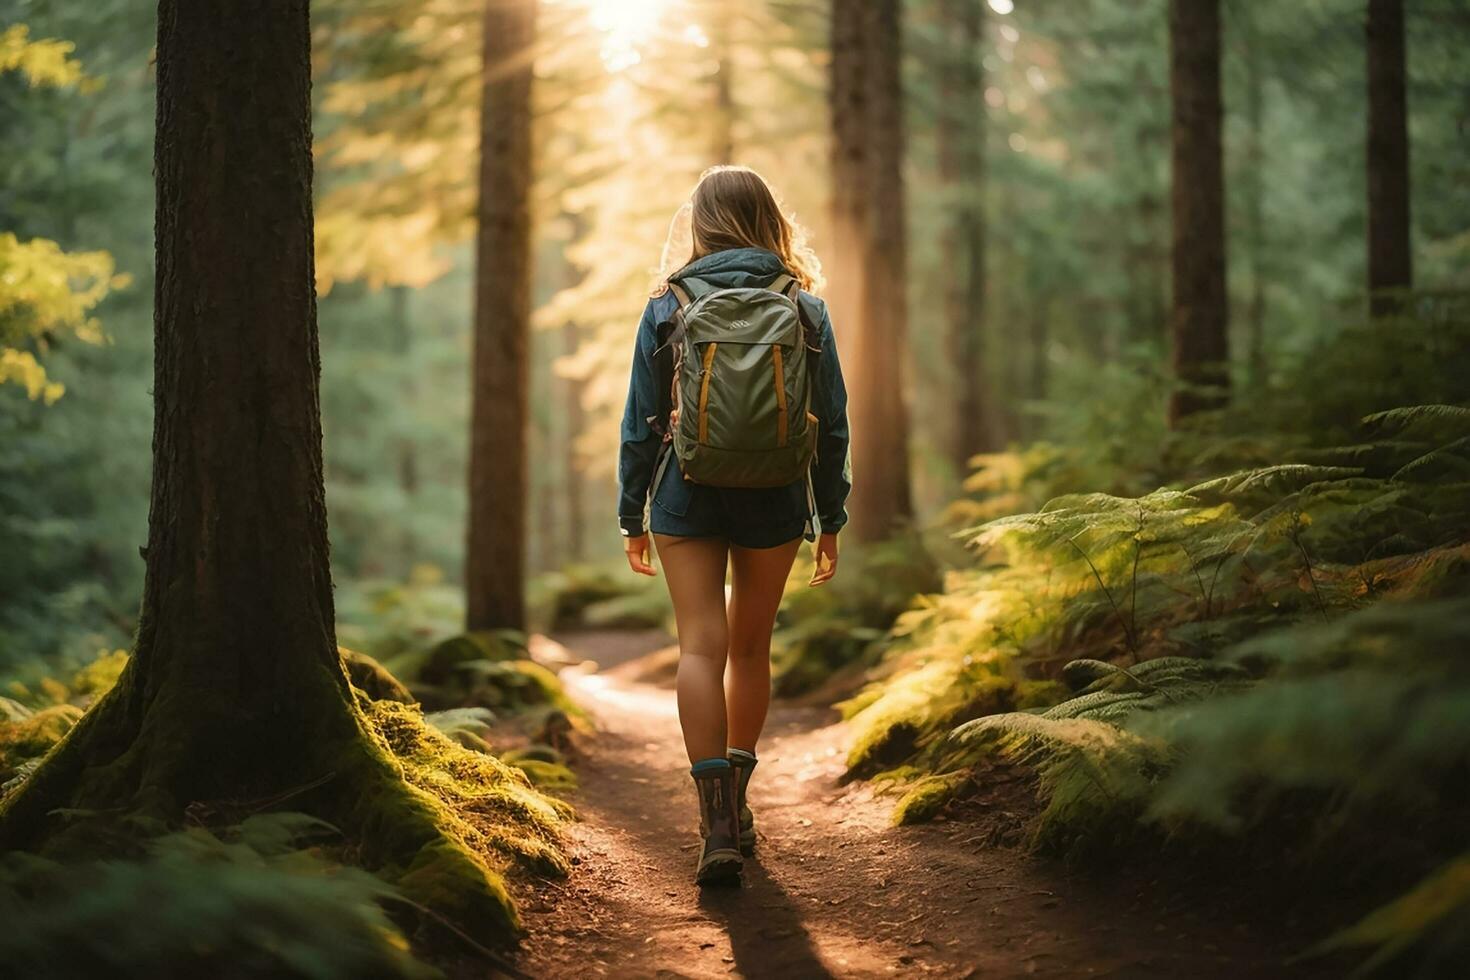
x,y
237,604
1390,257
961,140
495,550
868,255
1200,315
235,695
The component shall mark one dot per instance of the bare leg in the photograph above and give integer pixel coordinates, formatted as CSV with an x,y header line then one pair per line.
x,y
694,570
758,581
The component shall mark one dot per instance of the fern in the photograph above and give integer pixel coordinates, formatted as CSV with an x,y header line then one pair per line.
x,y
245,901
1447,460
1431,919
1437,420
454,721
1095,777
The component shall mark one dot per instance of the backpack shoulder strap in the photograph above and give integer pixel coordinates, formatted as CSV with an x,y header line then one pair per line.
x,y
691,287
787,284
680,294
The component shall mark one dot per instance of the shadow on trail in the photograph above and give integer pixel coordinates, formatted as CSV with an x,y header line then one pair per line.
x,y
767,936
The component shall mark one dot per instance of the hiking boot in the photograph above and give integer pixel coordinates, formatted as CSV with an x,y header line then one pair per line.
x,y
743,763
719,858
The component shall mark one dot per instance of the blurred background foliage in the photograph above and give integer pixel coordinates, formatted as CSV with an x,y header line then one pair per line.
x,y
1248,628
632,105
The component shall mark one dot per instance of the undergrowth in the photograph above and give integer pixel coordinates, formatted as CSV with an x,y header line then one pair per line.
x,y
1269,649
494,817
587,596
258,899
837,627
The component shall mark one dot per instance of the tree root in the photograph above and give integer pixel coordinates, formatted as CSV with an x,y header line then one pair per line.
x,y
442,822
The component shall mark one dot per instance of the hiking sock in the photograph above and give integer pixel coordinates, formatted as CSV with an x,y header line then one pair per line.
x,y
740,755
708,765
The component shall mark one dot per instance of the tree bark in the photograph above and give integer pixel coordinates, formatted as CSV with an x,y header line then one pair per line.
x,y
961,151
235,667
1255,190
1390,256
1039,347
235,697
1201,308
722,146
576,470
869,255
495,552
408,463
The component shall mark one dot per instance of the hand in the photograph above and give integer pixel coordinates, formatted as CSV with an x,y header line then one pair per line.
x,y
636,548
824,552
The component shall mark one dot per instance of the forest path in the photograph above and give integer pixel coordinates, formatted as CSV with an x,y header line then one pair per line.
x,y
833,891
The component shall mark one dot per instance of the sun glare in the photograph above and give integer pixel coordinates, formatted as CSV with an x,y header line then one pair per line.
x,y
624,24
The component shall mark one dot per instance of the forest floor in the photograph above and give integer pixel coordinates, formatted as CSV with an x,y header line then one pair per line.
x,y
834,890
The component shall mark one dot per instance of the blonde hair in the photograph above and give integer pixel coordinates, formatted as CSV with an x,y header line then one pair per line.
x,y
734,207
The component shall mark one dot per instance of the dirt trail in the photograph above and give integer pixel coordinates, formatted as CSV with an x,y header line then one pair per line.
x,y
834,891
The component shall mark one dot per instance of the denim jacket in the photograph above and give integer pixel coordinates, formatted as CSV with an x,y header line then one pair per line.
x,y
831,472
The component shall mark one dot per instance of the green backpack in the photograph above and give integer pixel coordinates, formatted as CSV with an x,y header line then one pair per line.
x,y
741,385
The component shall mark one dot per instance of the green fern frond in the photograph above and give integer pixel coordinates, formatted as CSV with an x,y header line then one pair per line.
x,y
1095,777
457,720
1436,419
1447,460
1270,483
1431,916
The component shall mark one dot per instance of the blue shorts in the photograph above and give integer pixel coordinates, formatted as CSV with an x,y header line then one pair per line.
x,y
747,518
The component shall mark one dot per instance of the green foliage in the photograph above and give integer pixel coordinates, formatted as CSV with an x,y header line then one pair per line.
x,y
25,739
928,795
1369,708
1095,776
1269,646
254,900
582,596
391,621
486,806
454,721
372,678
833,628
1420,933
45,291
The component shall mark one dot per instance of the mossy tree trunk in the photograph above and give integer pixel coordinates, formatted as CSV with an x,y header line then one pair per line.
x,y
235,694
868,253
1200,317
236,663
495,552
1390,256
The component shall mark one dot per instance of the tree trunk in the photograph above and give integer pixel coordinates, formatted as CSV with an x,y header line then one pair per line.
x,y
1201,309
722,145
1255,190
235,696
1390,262
576,421
961,150
1040,343
869,257
236,665
495,552
408,463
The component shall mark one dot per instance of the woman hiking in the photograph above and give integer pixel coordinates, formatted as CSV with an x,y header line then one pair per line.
x,y
734,450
